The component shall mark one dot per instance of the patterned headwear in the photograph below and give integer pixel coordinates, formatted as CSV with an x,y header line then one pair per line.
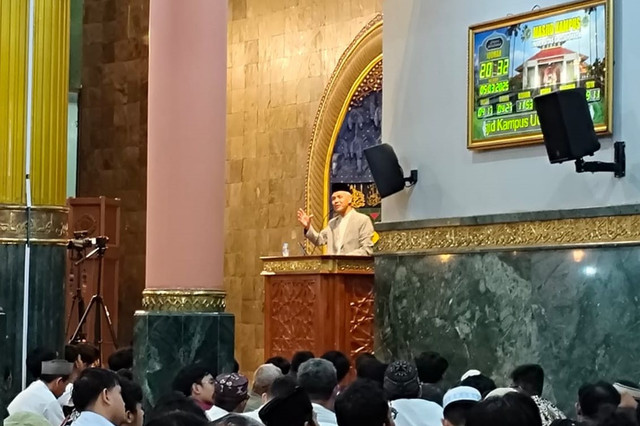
x,y
231,387
401,381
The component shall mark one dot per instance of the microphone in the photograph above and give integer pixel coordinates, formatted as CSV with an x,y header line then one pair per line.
x,y
304,250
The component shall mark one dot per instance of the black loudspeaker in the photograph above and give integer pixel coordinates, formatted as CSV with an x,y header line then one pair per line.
x,y
566,125
386,170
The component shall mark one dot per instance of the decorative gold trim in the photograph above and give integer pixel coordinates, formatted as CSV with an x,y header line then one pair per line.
x,y
317,265
536,138
372,82
608,230
49,224
362,54
183,300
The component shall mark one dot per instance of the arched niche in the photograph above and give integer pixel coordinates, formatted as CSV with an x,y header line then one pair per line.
x,y
356,77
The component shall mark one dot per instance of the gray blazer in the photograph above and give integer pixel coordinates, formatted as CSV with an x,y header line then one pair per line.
x,y
357,236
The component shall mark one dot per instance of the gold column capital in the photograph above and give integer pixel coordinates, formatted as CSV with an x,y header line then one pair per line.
x,y
183,300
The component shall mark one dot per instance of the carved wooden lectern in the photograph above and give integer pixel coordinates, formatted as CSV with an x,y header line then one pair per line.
x,y
318,303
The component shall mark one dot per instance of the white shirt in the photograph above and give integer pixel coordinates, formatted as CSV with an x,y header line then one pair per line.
x,y
324,416
342,227
417,412
65,399
254,414
215,413
37,398
89,418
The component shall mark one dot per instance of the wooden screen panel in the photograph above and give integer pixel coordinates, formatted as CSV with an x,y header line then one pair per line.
x,y
291,314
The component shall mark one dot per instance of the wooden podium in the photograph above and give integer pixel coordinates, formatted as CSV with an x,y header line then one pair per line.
x,y
97,216
318,303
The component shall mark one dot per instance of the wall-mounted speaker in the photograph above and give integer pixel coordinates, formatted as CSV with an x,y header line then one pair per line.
x,y
386,170
566,125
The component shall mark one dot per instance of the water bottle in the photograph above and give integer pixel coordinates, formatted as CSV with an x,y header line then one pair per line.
x,y
285,249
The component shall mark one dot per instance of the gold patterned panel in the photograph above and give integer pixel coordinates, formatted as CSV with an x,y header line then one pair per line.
x,y
317,265
608,230
46,225
13,86
49,98
183,300
359,63
50,102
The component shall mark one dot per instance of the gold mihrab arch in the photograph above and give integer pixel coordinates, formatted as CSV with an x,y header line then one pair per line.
x,y
358,73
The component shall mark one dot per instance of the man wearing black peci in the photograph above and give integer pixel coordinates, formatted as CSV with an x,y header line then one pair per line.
x,y
348,233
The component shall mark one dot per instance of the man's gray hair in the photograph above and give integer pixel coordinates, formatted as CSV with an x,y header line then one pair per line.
x,y
318,378
264,377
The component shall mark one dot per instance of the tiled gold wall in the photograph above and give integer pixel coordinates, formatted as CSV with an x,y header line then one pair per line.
x,y
280,57
112,151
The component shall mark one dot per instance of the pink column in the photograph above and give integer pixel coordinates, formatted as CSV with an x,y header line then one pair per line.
x,y
186,145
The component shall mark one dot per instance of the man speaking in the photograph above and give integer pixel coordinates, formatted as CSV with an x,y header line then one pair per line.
x,y
348,233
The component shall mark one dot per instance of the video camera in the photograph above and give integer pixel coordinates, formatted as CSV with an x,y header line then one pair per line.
x,y
81,242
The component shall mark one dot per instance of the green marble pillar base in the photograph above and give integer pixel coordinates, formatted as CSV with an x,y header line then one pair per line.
x,y
164,342
46,309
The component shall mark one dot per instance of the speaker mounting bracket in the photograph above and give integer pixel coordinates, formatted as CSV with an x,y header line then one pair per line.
x,y
618,167
412,179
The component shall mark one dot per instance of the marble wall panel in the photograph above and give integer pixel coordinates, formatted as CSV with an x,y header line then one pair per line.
x,y
165,342
46,312
575,312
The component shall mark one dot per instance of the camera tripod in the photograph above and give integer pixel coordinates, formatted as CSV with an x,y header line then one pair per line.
x,y
76,253
96,301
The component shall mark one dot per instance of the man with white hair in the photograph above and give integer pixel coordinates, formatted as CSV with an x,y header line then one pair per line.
x,y
348,233
262,380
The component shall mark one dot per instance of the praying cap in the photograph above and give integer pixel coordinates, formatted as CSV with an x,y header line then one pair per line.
x,y
500,392
634,391
339,186
461,393
57,367
26,418
401,381
470,373
231,387
294,408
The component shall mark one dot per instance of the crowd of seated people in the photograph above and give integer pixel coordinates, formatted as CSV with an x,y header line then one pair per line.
x,y
305,391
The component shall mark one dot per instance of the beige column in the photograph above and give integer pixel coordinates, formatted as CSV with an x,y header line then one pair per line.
x,y
186,154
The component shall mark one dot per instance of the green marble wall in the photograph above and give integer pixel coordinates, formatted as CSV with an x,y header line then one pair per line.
x,y
574,312
164,342
46,308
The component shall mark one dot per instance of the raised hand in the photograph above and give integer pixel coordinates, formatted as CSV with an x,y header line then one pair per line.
x,y
304,218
